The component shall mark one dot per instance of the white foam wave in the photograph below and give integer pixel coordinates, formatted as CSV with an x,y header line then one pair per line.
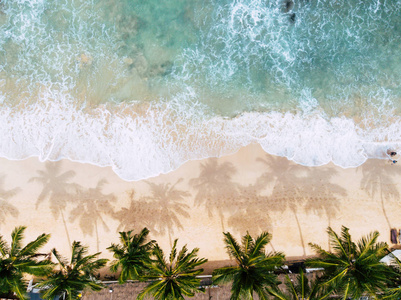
x,y
144,140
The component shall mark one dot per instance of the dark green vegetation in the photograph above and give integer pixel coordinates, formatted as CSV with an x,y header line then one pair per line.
x,y
254,272
350,270
353,269
71,277
173,278
132,255
16,260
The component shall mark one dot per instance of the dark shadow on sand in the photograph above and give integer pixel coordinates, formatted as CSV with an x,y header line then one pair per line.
x,y
7,208
378,181
296,187
251,212
160,211
240,207
91,205
215,189
57,189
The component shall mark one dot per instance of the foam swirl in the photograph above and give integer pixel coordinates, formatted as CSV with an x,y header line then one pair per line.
x,y
143,140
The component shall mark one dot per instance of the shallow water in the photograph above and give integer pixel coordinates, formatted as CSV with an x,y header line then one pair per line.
x,y
144,86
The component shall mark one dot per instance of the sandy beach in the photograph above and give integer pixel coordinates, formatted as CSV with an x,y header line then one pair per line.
x,y
249,190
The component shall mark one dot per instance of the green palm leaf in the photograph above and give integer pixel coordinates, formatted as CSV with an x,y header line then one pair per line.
x,y
353,269
132,256
254,270
73,276
16,260
175,277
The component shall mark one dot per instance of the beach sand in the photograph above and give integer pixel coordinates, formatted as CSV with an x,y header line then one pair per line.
x,y
246,191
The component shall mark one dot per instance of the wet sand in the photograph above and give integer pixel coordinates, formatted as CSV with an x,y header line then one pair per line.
x,y
249,190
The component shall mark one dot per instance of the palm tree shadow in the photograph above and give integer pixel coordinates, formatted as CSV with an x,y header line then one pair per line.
x,y
91,205
160,211
137,216
252,211
323,196
168,205
57,189
6,208
297,187
378,180
215,188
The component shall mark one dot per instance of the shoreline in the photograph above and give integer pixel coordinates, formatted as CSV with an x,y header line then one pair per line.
x,y
248,190
161,138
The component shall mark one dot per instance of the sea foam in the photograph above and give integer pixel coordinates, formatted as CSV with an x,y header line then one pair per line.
x,y
317,82
143,140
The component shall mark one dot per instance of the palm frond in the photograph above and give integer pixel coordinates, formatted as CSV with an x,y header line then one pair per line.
x,y
254,270
247,243
4,248
175,277
224,275
173,252
352,269
366,243
61,260
336,241
261,241
35,245
19,289
16,237
74,275
233,248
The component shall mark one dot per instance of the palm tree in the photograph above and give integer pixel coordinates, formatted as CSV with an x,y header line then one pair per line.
x,y
353,269
15,260
302,289
254,269
394,290
132,256
73,276
173,278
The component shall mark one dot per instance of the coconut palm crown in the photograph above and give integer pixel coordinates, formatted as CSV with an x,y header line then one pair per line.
x,y
353,269
394,289
254,270
174,278
15,260
302,288
132,255
73,276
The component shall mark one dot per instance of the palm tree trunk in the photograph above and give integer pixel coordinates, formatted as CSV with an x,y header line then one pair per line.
x,y
300,232
65,228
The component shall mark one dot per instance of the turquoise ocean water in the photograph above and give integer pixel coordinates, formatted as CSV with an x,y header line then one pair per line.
x,y
144,86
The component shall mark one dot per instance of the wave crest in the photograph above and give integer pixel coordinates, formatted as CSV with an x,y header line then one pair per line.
x,y
141,140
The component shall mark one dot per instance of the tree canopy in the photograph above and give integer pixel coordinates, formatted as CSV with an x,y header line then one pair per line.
x,y
353,269
173,277
254,270
73,276
15,260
